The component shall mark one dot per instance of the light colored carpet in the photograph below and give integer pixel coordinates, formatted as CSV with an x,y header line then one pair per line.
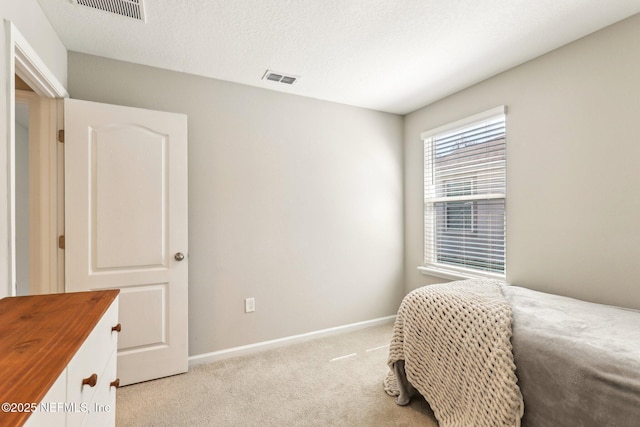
x,y
330,381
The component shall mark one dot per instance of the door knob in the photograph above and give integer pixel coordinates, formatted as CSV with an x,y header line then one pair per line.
x,y
179,256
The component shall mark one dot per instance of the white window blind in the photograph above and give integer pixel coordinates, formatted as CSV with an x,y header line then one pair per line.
x,y
464,194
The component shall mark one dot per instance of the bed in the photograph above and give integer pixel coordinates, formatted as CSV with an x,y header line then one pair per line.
x,y
576,363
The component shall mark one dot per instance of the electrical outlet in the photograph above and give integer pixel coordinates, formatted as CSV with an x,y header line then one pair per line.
x,y
249,305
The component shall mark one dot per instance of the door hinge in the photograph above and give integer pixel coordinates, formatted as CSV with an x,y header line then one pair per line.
x,y
61,135
61,242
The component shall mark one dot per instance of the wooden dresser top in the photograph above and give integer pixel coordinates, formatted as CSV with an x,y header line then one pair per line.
x,y
39,335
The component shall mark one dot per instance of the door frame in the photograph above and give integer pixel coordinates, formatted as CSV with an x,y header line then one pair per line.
x,y
26,63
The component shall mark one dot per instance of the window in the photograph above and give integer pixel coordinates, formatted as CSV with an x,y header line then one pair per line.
x,y
464,196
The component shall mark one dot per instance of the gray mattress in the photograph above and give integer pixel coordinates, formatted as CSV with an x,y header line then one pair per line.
x,y
578,363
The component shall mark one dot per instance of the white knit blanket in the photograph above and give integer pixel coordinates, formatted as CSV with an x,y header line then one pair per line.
x,y
455,341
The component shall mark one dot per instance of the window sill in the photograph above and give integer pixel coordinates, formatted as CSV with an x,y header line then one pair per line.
x,y
457,274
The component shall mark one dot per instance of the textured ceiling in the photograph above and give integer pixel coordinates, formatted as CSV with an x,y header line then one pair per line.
x,y
387,55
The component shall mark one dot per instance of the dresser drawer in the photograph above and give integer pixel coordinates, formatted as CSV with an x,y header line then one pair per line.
x,y
89,366
102,410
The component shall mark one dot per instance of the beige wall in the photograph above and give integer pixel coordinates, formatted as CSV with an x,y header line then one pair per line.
x,y
294,201
572,166
29,19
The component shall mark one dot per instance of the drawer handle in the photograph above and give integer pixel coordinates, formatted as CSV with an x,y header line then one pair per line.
x,y
117,328
115,383
91,381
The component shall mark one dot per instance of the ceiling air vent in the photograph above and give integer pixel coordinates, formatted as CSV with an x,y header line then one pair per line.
x,y
129,8
279,77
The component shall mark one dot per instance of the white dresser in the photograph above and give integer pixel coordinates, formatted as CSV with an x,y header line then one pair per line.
x,y
58,357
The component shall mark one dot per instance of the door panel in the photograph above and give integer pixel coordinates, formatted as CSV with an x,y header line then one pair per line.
x,y
126,217
144,310
129,185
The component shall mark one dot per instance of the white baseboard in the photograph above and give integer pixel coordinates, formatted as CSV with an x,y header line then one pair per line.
x,y
244,350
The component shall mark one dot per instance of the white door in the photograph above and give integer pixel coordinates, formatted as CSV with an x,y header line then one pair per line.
x,y
126,227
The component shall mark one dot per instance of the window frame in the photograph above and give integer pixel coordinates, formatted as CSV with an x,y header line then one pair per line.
x,y
431,266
